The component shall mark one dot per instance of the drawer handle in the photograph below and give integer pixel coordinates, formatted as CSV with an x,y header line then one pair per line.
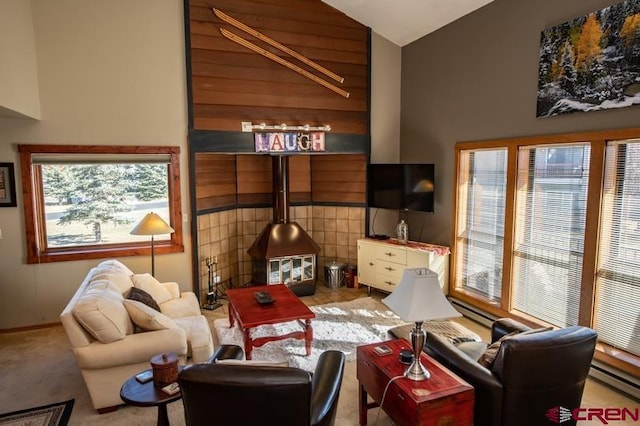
x,y
388,268
389,254
389,283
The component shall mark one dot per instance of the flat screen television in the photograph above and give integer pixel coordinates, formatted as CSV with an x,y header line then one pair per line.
x,y
401,186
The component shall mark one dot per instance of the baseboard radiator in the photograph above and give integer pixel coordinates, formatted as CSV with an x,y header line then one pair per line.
x,y
615,378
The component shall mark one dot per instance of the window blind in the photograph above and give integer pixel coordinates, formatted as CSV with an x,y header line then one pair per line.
x,y
549,235
480,227
618,270
99,158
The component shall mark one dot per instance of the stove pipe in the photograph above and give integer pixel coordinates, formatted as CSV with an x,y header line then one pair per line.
x,y
281,237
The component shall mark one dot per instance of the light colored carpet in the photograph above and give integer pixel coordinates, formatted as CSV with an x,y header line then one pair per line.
x,y
339,326
37,368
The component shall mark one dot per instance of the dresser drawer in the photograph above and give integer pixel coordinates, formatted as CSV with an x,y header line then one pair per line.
x,y
390,269
392,254
387,283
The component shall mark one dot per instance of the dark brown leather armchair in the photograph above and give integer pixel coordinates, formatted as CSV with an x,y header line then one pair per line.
x,y
532,373
251,395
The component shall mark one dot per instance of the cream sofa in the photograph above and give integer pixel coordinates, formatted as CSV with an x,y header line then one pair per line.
x,y
114,338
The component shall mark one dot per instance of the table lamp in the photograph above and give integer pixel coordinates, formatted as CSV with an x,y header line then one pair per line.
x,y
152,224
418,298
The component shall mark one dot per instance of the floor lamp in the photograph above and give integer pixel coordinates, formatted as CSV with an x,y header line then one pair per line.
x,y
419,298
152,224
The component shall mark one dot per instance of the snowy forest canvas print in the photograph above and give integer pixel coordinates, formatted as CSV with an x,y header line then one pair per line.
x,y
591,63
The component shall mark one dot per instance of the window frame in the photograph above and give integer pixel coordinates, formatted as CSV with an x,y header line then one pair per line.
x,y
33,206
587,305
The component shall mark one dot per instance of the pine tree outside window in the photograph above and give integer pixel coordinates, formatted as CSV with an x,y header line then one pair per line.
x,y
84,201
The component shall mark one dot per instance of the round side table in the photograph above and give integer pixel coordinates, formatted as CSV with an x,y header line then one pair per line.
x,y
148,395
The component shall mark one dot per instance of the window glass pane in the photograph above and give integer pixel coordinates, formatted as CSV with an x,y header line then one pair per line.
x,y
99,204
482,184
297,269
618,273
308,268
274,272
549,240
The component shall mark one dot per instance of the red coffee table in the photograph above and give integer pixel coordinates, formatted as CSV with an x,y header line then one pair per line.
x,y
244,308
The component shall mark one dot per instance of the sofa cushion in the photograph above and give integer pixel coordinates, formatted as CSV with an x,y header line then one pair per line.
x,y
115,272
473,350
184,306
198,337
146,318
152,286
101,313
142,296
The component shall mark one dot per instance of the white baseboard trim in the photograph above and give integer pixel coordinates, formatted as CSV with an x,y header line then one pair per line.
x,y
473,313
618,380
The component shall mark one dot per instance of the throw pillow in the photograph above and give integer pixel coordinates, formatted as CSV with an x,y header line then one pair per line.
x,y
489,356
152,286
142,296
100,312
146,318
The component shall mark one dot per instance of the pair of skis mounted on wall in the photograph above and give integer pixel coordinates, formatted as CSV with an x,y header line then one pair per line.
x,y
246,43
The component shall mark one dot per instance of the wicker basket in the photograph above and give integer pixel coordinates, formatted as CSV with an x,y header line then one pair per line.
x,y
165,369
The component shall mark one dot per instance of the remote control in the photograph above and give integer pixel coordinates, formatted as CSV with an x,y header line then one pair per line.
x,y
263,297
145,376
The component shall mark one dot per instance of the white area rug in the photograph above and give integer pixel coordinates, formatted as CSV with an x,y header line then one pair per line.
x,y
340,326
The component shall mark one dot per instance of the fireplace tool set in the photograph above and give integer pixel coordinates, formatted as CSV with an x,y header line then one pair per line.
x,y
213,281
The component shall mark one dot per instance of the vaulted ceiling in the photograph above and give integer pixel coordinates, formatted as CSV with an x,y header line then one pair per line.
x,y
405,21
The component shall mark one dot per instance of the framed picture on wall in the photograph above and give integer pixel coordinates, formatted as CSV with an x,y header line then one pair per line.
x,y
7,185
591,63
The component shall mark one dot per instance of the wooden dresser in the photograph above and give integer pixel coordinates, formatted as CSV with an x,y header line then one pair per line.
x,y
381,263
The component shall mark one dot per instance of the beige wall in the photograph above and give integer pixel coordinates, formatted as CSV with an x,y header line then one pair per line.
x,y
476,79
19,95
110,72
113,72
386,67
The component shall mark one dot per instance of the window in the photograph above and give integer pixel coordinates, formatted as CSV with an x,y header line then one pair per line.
x,y
550,224
84,200
547,231
618,273
480,238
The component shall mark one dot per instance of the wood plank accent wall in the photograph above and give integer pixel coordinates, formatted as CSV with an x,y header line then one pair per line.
x,y
215,182
339,178
300,179
255,185
230,83
227,181
254,179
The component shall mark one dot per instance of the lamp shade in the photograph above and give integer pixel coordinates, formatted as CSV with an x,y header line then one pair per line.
x,y
152,224
418,297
